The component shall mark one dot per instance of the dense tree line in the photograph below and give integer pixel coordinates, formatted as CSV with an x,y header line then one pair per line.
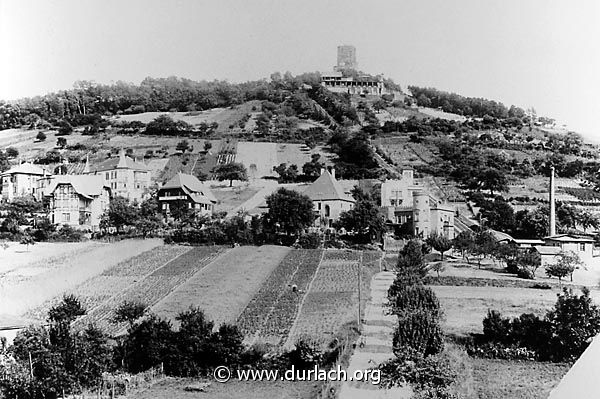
x,y
468,106
87,101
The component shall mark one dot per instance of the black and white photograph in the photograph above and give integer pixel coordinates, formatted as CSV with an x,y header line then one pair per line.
x,y
299,199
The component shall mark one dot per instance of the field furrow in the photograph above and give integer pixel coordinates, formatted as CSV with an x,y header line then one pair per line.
x,y
333,297
224,288
96,290
273,309
153,287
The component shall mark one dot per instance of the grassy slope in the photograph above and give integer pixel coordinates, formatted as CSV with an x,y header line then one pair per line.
x,y
502,379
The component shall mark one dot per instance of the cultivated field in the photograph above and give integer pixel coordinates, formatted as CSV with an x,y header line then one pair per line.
x,y
332,299
271,313
63,273
99,289
153,287
224,287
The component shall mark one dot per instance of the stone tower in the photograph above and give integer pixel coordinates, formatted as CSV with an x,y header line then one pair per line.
x,y
421,213
346,57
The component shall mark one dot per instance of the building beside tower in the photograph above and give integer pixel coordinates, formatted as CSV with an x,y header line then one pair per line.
x,y
345,77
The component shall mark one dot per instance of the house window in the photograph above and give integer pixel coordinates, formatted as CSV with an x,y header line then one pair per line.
x,y
107,176
66,217
327,210
582,247
318,205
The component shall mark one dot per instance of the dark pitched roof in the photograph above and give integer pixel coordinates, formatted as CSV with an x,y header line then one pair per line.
x,y
197,190
326,187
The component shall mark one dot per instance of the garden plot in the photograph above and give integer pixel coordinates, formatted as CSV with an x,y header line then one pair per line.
x,y
332,299
224,287
271,313
20,297
96,290
152,288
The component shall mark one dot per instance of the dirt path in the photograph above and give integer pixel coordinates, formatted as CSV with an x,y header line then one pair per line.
x,y
269,186
375,345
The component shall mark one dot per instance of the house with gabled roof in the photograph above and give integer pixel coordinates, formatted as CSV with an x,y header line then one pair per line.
x,y
126,177
77,200
21,180
328,197
188,189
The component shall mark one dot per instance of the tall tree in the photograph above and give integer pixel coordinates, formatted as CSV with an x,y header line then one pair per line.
x,y
289,211
231,171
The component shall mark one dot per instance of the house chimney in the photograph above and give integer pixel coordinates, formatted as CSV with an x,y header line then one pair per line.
x,y
322,170
122,162
333,172
86,168
552,205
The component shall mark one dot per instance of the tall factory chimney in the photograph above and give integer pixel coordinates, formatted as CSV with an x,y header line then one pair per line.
x,y
552,205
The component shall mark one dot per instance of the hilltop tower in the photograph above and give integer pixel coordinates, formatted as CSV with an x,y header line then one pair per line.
x,y
346,57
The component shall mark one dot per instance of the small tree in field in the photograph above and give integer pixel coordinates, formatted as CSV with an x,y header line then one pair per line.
x,y
438,267
440,243
41,136
27,240
566,263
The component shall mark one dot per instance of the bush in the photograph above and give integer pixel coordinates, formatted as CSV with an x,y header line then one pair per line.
x,y
496,328
525,273
419,330
431,377
306,354
309,241
415,297
562,335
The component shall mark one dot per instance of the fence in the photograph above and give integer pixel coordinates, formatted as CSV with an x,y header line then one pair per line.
x,y
121,385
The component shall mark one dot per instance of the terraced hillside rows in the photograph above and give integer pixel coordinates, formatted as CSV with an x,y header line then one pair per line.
x,y
271,313
96,290
332,300
153,287
224,288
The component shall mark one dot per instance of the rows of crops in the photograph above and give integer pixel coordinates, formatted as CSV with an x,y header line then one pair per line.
x,y
99,289
153,287
271,313
333,297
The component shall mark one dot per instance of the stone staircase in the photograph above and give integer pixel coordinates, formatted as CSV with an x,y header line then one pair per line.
x,y
374,345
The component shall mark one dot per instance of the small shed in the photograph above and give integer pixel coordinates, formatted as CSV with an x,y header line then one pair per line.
x,y
548,254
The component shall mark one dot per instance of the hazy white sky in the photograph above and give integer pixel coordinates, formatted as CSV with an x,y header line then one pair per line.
x,y
542,53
